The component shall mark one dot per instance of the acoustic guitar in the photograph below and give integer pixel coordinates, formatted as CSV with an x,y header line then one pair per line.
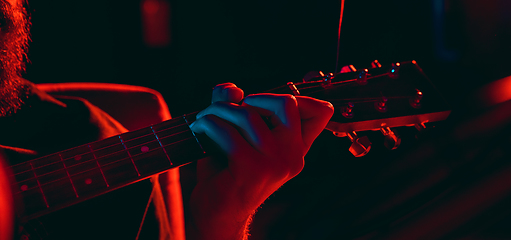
x,y
374,99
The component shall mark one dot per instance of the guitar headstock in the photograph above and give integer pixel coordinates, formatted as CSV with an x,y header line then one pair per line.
x,y
375,99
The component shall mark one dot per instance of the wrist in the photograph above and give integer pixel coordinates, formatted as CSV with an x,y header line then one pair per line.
x,y
217,229
218,214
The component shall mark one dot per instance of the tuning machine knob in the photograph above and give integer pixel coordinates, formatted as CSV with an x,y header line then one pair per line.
x,y
293,88
391,141
420,126
360,145
348,68
347,111
394,71
362,77
375,64
415,101
381,105
313,76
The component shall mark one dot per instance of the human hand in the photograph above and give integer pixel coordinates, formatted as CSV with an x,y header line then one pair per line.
x,y
261,155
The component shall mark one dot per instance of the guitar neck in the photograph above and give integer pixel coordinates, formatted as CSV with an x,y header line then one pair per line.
x,y
64,178
369,100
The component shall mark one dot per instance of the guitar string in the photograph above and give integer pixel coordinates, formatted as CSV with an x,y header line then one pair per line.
x,y
96,150
136,146
145,212
67,150
339,36
104,156
365,99
101,158
78,173
170,121
321,88
107,146
409,96
164,129
337,83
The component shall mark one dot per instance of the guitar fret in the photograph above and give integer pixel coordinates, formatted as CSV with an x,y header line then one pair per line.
x,y
104,178
165,151
184,150
196,139
43,182
69,176
39,185
88,170
129,154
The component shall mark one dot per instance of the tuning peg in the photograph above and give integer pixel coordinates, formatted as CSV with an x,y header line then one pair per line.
x,y
347,111
313,75
339,134
328,77
293,89
415,101
375,64
421,130
348,68
362,77
381,105
360,145
394,71
420,126
391,141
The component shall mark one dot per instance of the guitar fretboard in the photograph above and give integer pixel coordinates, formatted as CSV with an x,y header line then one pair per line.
x,y
70,176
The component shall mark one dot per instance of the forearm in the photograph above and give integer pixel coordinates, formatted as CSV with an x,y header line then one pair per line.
x,y
6,203
223,231
219,212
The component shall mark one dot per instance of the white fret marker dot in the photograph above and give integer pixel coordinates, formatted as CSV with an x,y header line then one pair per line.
x,y
78,157
24,188
144,149
88,181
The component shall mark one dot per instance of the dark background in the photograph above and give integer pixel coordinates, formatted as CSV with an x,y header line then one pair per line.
x,y
460,44
264,44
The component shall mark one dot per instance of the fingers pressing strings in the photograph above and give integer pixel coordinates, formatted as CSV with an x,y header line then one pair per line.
x,y
281,106
227,92
248,122
279,112
224,134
